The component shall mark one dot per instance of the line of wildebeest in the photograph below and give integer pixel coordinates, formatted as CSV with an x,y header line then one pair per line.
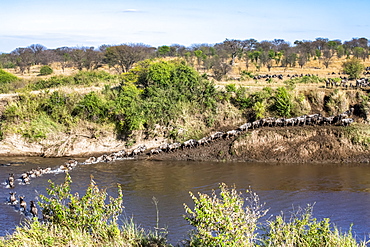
x,y
310,120
329,82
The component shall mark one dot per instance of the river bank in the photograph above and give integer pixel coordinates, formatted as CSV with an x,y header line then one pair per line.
x,y
292,144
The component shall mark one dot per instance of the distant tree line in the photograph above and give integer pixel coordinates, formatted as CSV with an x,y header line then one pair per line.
x,y
216,59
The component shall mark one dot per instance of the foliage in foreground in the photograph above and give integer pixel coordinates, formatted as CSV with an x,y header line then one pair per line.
x,y
74,220
6,79
223,219
226,218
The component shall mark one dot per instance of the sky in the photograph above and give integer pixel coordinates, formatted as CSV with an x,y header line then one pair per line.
x,y
77,23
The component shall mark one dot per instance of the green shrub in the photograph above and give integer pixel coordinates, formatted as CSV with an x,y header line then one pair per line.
x,y
283,104
305,231
38,128
92,107
46,70
230,88
90,220
224,220
6,81
89,213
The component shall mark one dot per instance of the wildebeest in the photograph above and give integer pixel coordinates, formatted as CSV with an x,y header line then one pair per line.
x,y
244,127
12,198
216,135
231,133
346,121
203,141
173,146
268,121
189,143
328,120
90,160
11,180
155,151
289,121
256,124
22,203
33,209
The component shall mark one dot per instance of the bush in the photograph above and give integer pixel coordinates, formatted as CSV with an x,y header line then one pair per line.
x,y
89,213
46,70
90,220
6,77
283,102
92,107
305,231
224,220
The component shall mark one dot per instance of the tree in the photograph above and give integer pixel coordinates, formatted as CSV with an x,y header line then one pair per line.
x,y
123,57
327,56
200,57
353,68
164,50
63,55
302,59
234,47
360,52
37,51
220,68
24,59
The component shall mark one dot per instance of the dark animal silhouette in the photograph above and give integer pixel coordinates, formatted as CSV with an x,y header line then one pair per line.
x,y
33,209
12,198
22,203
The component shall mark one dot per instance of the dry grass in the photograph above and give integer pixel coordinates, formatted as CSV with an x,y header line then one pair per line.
x,y
313,67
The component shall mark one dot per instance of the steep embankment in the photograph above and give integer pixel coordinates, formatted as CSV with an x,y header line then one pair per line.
x,y
286,144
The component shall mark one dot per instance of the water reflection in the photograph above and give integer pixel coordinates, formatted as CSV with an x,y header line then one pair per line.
x,y
340,192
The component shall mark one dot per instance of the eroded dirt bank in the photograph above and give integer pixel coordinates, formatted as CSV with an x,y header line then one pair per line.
x,y
301,144
332,144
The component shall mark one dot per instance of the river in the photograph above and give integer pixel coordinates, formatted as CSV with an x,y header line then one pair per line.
x,y
338,192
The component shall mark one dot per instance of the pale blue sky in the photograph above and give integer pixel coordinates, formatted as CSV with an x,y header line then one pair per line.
x,y
57,23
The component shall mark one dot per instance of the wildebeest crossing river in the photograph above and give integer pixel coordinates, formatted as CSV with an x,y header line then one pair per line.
x,y
339,192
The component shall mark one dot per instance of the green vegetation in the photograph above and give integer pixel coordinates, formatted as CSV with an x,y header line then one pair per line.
x,y
88,220
159,93
5,81
46,70
353,68
225,218
153,93
6,77
86,78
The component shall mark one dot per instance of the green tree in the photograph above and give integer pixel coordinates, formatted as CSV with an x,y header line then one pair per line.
x,y
200,57
164,50
353,68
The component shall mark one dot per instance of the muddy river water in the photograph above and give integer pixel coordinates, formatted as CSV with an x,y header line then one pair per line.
x,y
339,192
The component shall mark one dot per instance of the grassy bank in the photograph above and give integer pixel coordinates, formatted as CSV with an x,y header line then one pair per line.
x,y
224,218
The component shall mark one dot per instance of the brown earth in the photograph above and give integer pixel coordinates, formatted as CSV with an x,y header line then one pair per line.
x,y
287,145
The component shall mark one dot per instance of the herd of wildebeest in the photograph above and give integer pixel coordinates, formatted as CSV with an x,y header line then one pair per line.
x,y
329,82
314,119
343,119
